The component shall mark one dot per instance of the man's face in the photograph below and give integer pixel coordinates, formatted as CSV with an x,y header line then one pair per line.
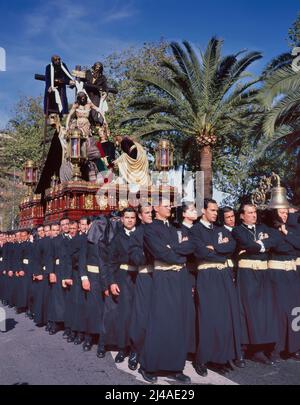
x,y
56,60
83,226
249,217
283,214
24,236
13,238
129,220
191,213
73,229
65,226
41,232
47,230
229,218
163,211
54,231
210,214
18,236
146,215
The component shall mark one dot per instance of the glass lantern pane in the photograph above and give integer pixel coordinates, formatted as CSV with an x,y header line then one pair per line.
x,y
75,148
164,157
28,174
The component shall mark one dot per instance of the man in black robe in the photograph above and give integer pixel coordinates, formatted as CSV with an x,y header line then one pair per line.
x,y
60,274
167,336
122,274
255,286
42,268
218,313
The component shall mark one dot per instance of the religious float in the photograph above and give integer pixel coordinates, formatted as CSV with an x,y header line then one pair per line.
x,y
84,172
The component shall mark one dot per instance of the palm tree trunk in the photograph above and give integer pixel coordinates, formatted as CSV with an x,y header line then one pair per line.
x,y
206,167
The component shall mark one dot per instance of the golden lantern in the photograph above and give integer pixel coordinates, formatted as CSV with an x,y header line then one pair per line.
x,y
30,175
164,155
76,150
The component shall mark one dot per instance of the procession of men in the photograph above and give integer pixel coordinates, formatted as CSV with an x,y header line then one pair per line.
x,y
215,289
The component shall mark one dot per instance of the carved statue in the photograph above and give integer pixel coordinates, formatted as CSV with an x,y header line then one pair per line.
x,y
133,163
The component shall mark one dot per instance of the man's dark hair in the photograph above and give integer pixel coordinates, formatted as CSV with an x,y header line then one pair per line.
x,y
245,204
87,219
63,219
208,201
222,212
73,222
56,223
129,209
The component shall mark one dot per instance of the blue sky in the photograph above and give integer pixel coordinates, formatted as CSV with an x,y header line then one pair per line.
x,y
87,30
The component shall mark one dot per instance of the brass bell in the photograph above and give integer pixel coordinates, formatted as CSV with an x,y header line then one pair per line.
x,y
278,197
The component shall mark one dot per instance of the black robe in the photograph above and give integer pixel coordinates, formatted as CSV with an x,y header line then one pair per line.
x,y
61,266
42,266
93,87
74,313
255,289
119,253
93,307
287,288
140,256
219,327
167,337
50,105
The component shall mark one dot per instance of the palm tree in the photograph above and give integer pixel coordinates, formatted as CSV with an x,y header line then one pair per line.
x,y
280,96
280,99
203,98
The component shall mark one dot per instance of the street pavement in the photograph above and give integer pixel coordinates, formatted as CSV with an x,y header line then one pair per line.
x,y
29,355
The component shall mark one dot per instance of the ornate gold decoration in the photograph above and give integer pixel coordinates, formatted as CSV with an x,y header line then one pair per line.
x,y
262,193
89,202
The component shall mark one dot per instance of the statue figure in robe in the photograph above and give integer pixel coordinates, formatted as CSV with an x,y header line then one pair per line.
x,y
57,77
133,162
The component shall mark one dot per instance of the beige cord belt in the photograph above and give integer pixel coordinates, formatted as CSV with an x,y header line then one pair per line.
x,y
128,267
253,264
219,266
158,265
93,269
298,261
287,265
145,269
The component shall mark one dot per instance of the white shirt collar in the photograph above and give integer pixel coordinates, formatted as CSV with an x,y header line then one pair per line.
x,y
187,225
207,225
128,232
250,226
230,228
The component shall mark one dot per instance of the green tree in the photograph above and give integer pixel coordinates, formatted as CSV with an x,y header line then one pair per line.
x,y
206,101
22,140
279,98
121,68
